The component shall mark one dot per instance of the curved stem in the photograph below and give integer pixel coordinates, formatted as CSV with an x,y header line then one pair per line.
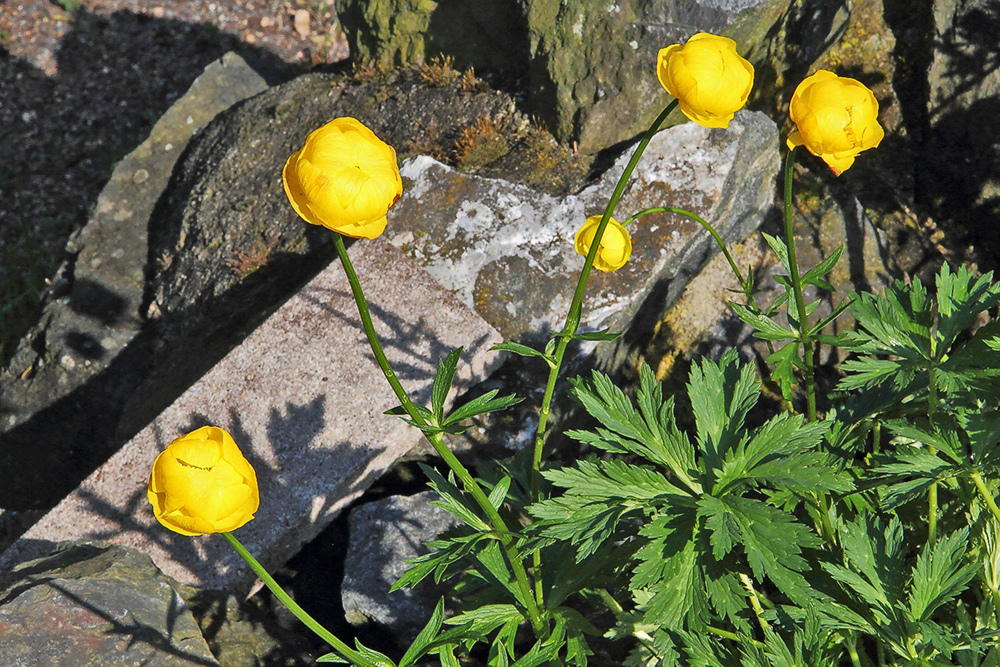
x,y
575,308
758,609
977,479
800,302
573,323
468,481
709,228
340,647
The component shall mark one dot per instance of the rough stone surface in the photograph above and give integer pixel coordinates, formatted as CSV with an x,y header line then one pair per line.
x,y
305,400
508,251
958,158
589,65
92,604
225,249
95,307
483,34
384,534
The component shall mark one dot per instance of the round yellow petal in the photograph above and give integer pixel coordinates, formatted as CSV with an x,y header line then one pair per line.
x,y
615,248
201,483
344,178
710,80
835,119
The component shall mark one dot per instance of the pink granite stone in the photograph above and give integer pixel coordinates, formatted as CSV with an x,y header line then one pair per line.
x,y
304,399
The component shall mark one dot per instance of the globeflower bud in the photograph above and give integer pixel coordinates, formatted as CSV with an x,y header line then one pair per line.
x,y
344,178
706,75
202,484
615,248
835,118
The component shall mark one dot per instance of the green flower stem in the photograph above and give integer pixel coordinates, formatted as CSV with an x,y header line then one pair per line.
x,y
340,647
932,403
758,609
468,481
745,286
576,306
800,302
573,323
709,228
977,479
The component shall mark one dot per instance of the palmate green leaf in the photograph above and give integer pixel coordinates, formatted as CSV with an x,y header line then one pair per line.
x,y
571,624
667,573
785,360
961,297
488,402
982,428
721,396
496,570
813,276
442,383
907,475
454,500
602,335
940,575
447,557
779,248
650,432
898,376
764,327
779,450
772,540
525,351
897,322
666,444
487,618
567,577
424,640
598,495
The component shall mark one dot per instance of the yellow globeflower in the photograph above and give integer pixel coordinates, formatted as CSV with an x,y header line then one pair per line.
x,y
344,178
615,248
202,484
706,75
835,118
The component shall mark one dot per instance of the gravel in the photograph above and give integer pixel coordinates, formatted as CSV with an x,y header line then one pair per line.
x,y
81,86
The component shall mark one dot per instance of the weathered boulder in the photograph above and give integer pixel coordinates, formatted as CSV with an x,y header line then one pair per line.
x,y
305,400
384,534
65,385
173,273
91,604
589,65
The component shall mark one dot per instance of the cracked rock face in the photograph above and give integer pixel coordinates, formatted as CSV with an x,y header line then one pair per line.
x,y
104,605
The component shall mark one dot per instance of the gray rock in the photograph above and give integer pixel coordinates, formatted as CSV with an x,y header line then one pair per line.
x,y
92,604
956,125
224,250
590,65
95,309
507,250
483,34
593,64
384,534
305,401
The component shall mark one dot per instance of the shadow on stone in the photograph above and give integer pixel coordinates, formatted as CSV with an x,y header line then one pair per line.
x,y
77,125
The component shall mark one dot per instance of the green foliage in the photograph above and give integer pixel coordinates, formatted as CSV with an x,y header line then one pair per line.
x,y
698,509
434,420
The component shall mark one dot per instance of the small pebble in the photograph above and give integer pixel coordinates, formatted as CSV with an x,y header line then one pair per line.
x,y
301,22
